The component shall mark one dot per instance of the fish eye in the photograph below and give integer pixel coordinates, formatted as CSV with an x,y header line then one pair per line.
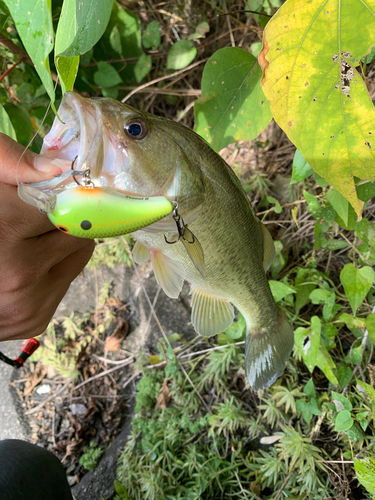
x,y
135,129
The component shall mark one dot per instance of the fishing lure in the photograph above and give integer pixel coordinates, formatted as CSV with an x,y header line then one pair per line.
x,y
94,212
82,209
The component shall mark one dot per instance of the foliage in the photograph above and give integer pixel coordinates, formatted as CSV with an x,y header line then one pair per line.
x,y
91,455
62,351
181,450
316,90
233,106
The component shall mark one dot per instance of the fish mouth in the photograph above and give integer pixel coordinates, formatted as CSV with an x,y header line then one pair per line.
x,y
76,136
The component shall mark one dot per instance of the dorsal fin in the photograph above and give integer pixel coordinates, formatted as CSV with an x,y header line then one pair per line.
x,y
140,253
268,248
168,273
210,315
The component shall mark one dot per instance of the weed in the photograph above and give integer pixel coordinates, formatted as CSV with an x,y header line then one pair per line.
x,y
91,455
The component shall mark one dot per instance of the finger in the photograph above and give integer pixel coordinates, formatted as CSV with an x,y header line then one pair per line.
x,y
55,247
37,303
18,164
18,219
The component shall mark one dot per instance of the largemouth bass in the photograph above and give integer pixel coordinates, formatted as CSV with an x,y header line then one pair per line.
x,y
212,239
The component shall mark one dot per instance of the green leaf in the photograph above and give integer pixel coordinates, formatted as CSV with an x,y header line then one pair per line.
x,y
370,326
255,48
365,471
277,208
173,337
326,364
320,181
236,330
336,244
339,203
223,339
170,353
369,57
279,260
304,287
354,356
366,191
121,490
341,402
309,389
351,321
356,283
181,54
106,76
232,106
6,126
354,433
313,205
301,169
318,96
21,122
200,31
91,19
344,375
280,290
319,296
34,26
367,390
308,408
111,92
143,67
115,40
311,347
343,421
151,36
352,219
67,67
365,230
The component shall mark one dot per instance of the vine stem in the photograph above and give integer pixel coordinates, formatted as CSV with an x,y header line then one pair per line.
x,y
10,69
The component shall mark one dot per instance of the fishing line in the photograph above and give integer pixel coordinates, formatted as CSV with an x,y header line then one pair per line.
x,y
35,134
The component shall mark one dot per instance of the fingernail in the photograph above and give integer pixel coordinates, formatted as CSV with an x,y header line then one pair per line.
x,y
44,164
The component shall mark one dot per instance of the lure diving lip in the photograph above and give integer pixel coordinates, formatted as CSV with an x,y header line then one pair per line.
x,y
93,212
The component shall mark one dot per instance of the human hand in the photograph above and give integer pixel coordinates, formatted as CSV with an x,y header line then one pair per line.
x,y
37,262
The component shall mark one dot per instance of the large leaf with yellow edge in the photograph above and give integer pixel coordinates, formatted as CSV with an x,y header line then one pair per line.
x,y
310,53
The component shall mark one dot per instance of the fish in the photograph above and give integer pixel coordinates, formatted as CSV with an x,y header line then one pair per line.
x,y
212,239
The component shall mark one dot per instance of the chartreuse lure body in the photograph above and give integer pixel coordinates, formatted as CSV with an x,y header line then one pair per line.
x,y
91,212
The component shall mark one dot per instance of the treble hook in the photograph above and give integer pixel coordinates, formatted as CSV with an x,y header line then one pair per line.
x,y
87,182
180,227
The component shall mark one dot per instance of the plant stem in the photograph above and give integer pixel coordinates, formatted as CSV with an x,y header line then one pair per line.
x,y
10,69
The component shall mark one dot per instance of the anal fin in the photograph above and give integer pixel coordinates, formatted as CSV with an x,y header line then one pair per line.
x,y
210,314
268,248
140,253
168,273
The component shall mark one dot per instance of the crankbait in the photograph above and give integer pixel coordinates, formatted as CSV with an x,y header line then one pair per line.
x,y
94,212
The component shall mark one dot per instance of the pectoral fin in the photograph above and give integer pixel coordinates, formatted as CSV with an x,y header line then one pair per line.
x,y
168,274
268,248
210,315
140,253
194,250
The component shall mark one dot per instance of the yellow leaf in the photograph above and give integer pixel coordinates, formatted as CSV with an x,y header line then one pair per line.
x,y
309,58
294,215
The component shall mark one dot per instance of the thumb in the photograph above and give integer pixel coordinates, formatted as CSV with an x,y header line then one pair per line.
x,y
18,164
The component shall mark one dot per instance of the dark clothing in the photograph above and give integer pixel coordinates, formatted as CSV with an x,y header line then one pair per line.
x,y
28,472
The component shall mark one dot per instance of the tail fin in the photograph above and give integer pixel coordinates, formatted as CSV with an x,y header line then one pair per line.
x,y
267,352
